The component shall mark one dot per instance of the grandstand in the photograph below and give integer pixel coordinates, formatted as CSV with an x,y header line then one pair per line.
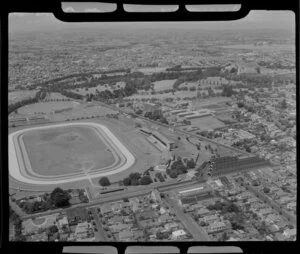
x,y
156,138
230,164
169,144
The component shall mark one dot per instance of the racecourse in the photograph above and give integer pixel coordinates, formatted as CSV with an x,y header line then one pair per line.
x,y
20,167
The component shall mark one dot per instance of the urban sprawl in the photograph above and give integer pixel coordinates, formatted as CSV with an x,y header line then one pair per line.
x,y
208,118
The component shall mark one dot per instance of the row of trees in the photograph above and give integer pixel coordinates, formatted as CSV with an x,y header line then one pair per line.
x,y
58,198
137,179
15,219
178,167
40,95
156,116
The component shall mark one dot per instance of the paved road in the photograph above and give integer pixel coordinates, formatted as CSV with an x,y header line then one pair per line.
x,y
189,223
11,231
128,193
101,231
16,208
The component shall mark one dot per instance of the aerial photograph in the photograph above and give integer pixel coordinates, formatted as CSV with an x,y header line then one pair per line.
x,y
152,131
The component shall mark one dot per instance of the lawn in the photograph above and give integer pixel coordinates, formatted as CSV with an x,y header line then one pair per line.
x,y
46,107
16,96
64,150
164,85
207,123
38,221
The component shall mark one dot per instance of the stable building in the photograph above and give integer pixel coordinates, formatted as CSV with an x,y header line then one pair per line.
x,y
169,144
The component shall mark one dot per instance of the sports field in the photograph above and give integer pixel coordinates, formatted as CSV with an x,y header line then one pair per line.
x,y
46,107
67,149
66,153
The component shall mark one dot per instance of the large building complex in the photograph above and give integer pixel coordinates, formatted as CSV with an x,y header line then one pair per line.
x,y
234,163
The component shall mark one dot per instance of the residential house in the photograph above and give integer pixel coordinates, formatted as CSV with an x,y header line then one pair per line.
x,y
126,235
43,237
210,218
244,195
171,225
63,222
162,210
119,227
163,218
289,233
203,212
291,206
83,230
178,233
155,196
216,226
116,207
285,200
272,218
106,209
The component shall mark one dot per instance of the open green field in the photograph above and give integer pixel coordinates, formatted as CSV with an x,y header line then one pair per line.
x,y
65,150
207,123
16,96
46,107
163,85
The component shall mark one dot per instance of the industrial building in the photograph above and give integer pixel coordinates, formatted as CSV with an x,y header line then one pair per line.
x,y
151,107
192,196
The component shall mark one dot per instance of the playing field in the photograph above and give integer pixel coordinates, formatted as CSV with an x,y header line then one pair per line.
x,y
46,107
67,149
64,153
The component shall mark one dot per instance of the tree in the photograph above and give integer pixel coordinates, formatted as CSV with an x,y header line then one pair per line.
x,y
135,176
138,125
145,180
224,237
266,189
191,163
52,230
173,174
127,181
135,182
104,181
283,104
59,197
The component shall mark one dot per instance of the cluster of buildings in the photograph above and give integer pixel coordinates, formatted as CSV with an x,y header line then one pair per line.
x,y
159,140
25,120
279,184
255,219
143,218
70,225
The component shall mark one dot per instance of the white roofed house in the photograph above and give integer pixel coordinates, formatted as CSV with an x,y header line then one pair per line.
x,y
83,230
178,234
210,218
203,212
217,226
155,196
291,206
63,222
289,233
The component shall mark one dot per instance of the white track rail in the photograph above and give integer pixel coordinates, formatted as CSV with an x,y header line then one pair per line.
x,y
20,173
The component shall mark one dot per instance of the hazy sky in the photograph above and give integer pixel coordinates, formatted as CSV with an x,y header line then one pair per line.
x,y
25,22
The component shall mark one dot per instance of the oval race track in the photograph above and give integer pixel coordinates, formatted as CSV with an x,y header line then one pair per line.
x,y
21,171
